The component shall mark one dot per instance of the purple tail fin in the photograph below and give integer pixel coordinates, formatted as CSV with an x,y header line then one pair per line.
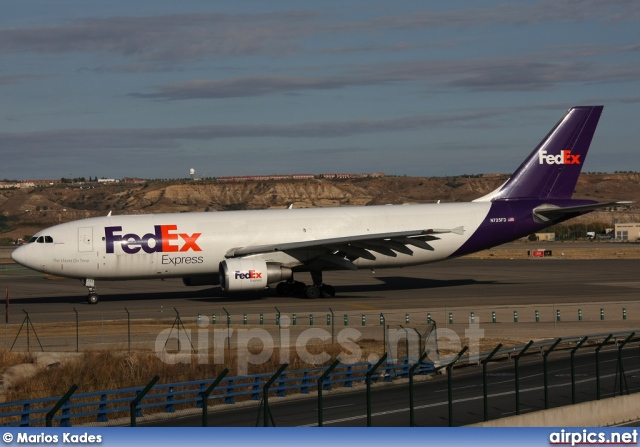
x,y
552,169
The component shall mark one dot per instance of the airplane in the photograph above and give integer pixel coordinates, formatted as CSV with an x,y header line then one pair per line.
x,y
247,250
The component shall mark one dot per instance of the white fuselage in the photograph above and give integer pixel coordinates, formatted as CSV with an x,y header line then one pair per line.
x,y
124,247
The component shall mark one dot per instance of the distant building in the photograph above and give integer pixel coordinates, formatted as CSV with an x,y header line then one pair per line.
x,y
627,231
133,180
546,237
108,180
39,183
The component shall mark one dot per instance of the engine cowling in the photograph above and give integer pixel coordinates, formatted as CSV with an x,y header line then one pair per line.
x,y
238,275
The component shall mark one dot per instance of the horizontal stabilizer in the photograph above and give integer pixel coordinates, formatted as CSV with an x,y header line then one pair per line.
x,y
546,213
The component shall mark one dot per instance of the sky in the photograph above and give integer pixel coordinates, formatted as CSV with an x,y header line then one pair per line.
x,y
153,88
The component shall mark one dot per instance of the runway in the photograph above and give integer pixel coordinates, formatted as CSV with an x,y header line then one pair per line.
x,y
455,284
599,289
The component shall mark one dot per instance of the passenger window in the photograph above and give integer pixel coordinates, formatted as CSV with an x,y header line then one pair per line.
x,y
40,240
48,240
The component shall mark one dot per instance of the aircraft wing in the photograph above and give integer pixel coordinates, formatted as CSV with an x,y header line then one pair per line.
x,y
341,250
546,213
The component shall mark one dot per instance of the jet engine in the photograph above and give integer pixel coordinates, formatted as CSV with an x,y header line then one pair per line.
x,y
237,275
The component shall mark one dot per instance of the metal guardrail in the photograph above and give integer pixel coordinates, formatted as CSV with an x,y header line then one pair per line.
x,y
166,398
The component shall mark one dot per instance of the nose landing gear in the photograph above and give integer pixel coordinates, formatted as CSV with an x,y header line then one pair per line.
x,y
90,284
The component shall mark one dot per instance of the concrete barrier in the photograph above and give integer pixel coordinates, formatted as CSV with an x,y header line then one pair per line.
x,y
614,410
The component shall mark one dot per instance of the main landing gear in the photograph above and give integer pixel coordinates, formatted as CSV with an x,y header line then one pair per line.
x,y
317,290
90,284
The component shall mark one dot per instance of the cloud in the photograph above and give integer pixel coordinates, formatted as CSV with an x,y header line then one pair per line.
x,y
523,73
18,78
176,37
173,38
77,141
251,86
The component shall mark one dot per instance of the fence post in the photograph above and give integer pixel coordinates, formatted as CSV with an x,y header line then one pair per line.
x,y
573,369
517,370
620,364
63,399
321,380
604,342
412,418
169,407
484,381
369,374
134,403
207,392
265,393
546,379
102,409
450,384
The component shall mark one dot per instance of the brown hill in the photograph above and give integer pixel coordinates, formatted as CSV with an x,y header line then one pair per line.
x,y
26,210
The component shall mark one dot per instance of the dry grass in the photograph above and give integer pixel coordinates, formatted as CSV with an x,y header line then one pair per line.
x,y
111,369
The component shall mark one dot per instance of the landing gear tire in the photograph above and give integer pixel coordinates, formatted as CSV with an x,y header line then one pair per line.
x,y
284,289
90,284
312,292
327,291
299,288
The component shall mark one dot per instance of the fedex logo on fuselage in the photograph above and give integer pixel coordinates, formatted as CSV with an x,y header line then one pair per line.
x,y
164,239
564,158
251,274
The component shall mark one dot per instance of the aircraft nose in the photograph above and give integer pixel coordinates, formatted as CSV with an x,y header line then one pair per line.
x,y
19,255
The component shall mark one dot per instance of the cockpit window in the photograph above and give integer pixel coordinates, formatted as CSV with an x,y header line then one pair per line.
x,y
41,240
